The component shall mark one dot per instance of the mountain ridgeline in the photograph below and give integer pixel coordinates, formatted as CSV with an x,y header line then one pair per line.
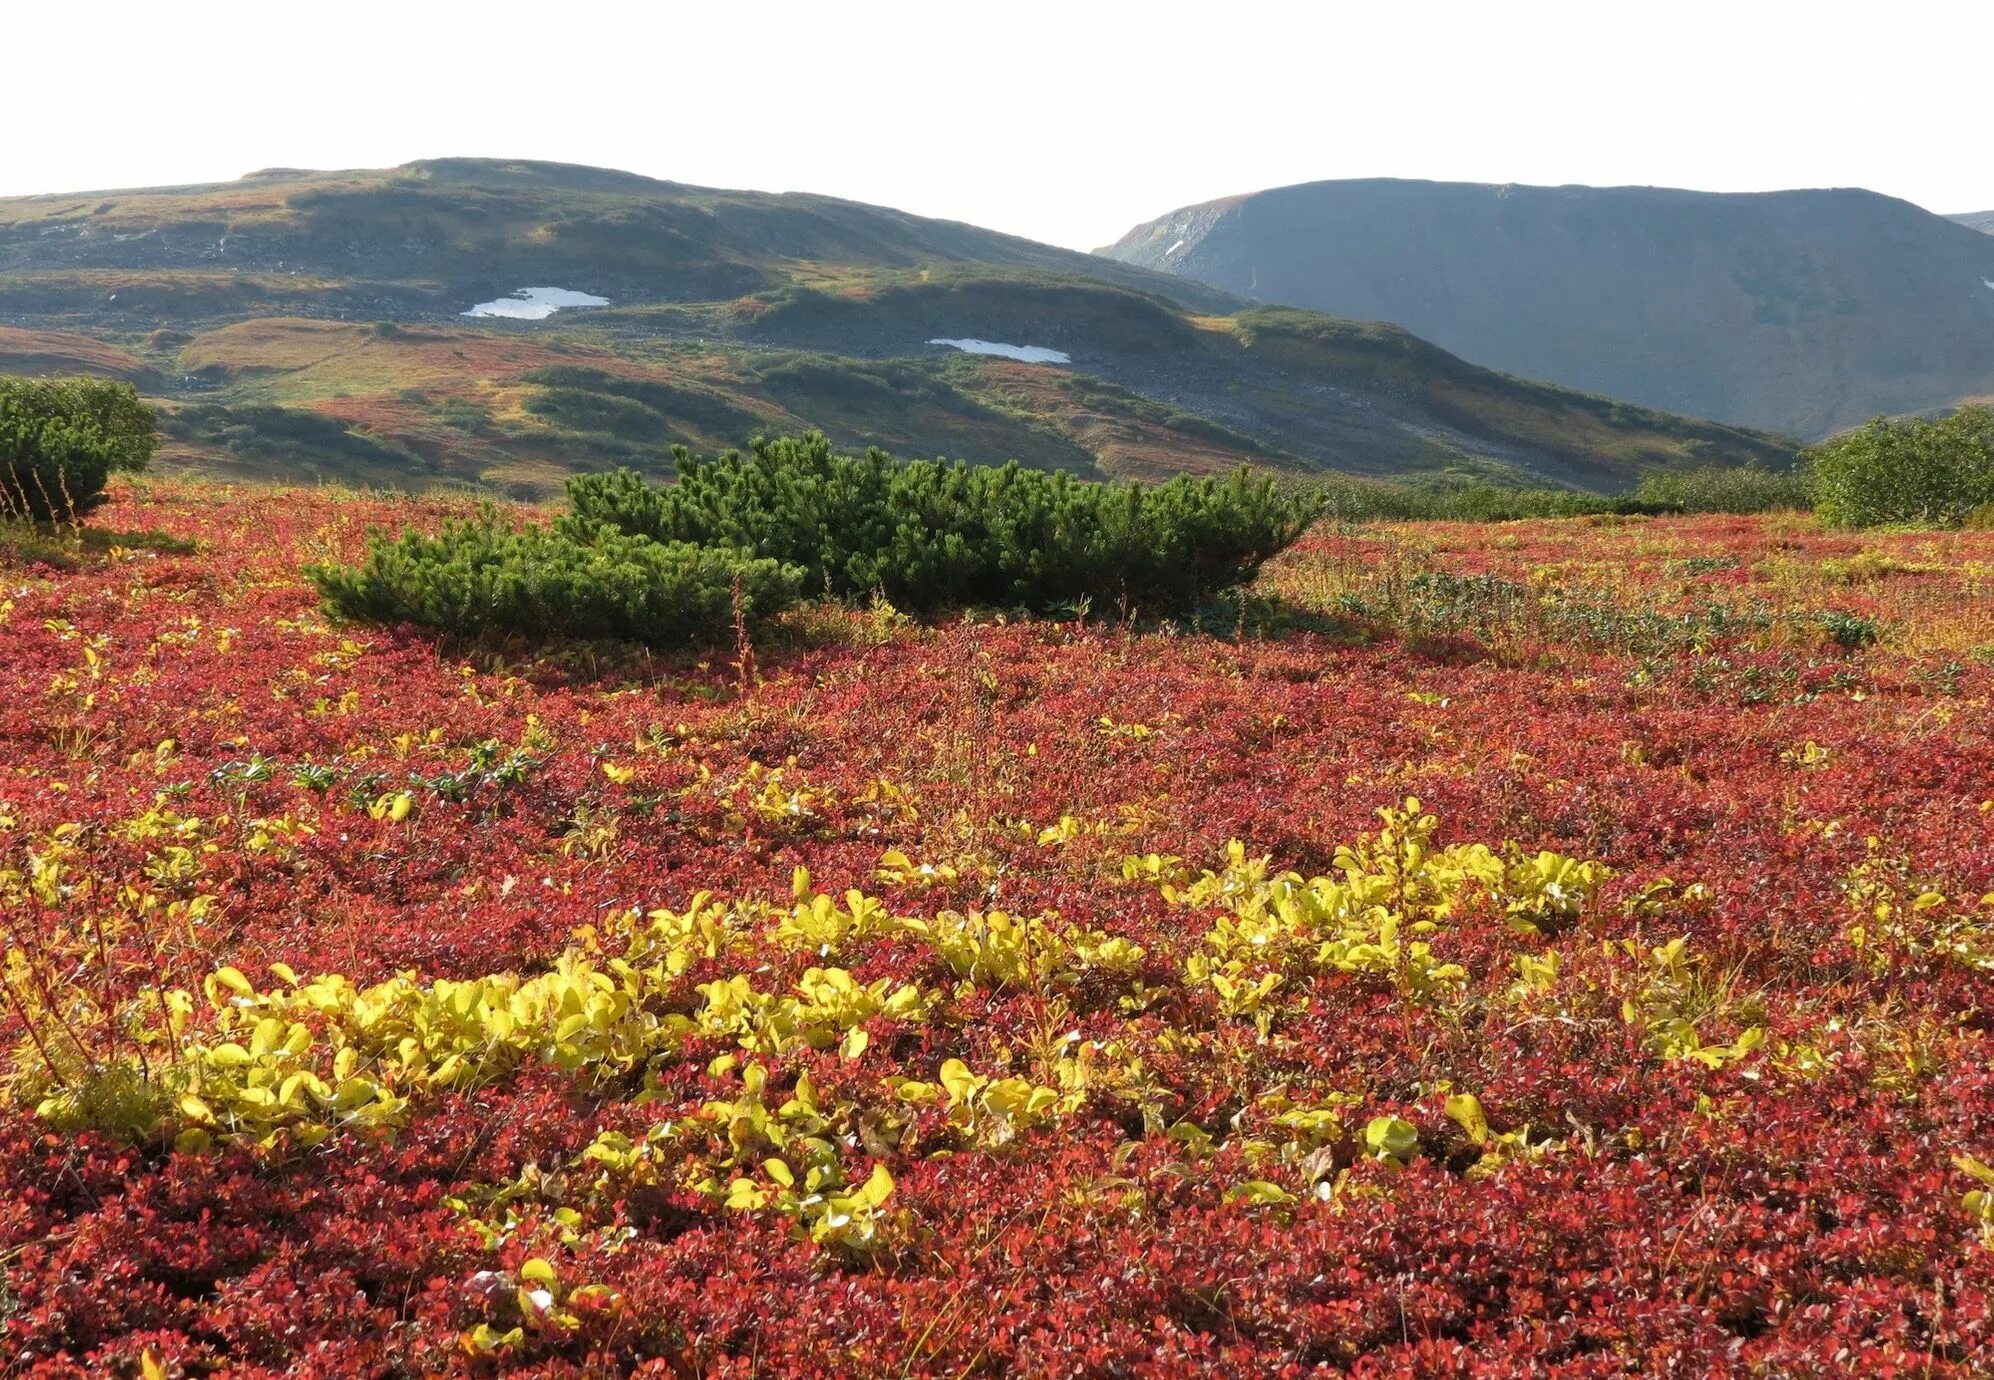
x,y
314,325
1802,312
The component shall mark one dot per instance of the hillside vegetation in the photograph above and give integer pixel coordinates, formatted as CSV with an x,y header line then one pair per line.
x,y
1799,312
328,308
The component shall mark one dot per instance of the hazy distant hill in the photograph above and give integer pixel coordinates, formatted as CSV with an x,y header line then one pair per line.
x,y
1803,312
311,324
1982,221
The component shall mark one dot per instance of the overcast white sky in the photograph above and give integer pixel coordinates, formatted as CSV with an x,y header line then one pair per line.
x,y
1066,122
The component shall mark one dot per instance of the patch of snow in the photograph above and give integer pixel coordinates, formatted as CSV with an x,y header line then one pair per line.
x,y
535,303
1987,283
1030,354
1173,249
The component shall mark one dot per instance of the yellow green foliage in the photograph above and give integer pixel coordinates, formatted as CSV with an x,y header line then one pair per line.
x,y
1390,892
1682,1004
1900,918
988,1111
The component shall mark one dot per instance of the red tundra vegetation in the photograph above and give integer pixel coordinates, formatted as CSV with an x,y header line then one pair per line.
x,y
1561,947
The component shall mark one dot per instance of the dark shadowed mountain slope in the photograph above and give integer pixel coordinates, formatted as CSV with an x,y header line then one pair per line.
x,y
304,324
1803,312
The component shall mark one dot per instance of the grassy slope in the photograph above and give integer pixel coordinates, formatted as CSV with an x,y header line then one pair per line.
x,y
65,352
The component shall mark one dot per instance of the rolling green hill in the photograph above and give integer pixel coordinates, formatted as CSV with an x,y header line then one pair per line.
x,y
1802,312
307,324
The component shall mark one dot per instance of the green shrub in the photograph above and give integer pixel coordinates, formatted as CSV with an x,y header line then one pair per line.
x,y
1910,471
1455,498
933,534
1450,499
485,575
578,409
60,441
464,414
1726,489
702,408
294,435
1849,631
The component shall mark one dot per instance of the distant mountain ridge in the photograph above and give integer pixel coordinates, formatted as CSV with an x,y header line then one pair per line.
x,y
312,324
433,236
1803,312
1983,221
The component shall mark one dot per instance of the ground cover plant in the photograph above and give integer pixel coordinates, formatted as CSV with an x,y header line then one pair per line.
x,y
1537,948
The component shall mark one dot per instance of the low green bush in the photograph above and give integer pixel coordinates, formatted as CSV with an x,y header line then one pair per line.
x,y
702,408
485,575
935,534
1350,499
578,409
1706,489
1726,489
62,439
1933,473
295,436
1849,631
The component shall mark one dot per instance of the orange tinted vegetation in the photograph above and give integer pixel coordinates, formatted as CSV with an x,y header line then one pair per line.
x,y
188,284
1008,996
315,359
1926,591
64,352
239,203
1127,447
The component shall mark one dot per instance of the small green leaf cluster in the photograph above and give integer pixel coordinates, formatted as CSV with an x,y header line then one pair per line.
x,y
939,534
486,575
61,440
1935,473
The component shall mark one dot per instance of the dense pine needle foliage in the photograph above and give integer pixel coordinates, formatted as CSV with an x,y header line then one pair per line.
x,y
487,575
62,439
935,534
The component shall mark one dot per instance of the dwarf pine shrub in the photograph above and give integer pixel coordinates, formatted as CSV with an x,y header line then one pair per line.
x,y
485,575
934,534
60,441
